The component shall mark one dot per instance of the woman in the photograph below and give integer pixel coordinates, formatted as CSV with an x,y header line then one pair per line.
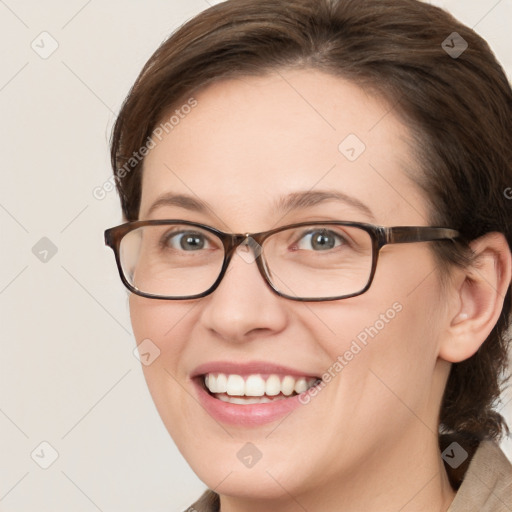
x,y
267,156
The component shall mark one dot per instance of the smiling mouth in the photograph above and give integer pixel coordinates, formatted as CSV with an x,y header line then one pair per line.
x,y
255,388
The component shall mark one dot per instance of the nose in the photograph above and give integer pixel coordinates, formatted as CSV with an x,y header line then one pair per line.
x,y
243,306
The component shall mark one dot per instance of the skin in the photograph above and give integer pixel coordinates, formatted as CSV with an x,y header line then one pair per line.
x,y
368,440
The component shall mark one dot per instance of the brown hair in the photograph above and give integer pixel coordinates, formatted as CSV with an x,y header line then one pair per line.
x,y
459,111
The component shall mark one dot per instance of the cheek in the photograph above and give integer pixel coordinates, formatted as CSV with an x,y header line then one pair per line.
x,y
160,329
407,282
384,348
160,321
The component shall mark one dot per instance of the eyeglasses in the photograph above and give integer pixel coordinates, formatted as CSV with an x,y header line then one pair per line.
x,y
308,261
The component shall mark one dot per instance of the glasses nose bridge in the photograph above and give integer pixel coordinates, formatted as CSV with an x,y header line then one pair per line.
x,y
253,242
233,241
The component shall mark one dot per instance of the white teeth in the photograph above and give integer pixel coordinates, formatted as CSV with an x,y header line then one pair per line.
x,y
246,401
254,386
273,386
300,385
222,383
287,385
235,386
227,386
212,383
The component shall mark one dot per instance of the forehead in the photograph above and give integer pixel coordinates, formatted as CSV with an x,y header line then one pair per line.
x,y
249,141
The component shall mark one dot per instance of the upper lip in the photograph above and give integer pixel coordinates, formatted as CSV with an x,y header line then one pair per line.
x,y
248,368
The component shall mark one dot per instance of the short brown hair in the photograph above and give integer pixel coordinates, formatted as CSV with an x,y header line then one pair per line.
x,y
459,111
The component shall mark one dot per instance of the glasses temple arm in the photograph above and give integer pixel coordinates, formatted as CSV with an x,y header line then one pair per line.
x,y
408,234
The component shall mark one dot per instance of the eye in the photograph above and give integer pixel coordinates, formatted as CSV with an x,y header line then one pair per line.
x,y
320,240
185,241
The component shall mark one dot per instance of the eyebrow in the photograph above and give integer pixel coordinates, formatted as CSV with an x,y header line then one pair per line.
x,y
301,200
179,200
291,202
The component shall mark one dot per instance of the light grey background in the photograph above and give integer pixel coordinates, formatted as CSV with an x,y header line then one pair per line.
x,y
68,375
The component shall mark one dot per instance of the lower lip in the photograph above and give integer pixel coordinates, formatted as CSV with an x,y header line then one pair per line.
x,y
250,415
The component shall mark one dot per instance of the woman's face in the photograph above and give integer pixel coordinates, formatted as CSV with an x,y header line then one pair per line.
x,y
248,145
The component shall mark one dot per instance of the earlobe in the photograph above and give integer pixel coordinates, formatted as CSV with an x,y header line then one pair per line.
x,y
480,293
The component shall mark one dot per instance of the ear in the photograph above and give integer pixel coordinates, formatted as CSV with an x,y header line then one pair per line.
x,y
479,291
